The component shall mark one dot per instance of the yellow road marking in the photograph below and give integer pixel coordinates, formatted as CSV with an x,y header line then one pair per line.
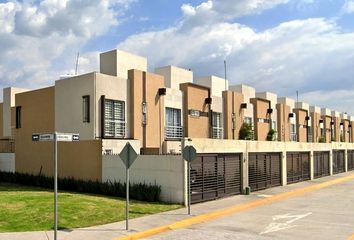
x,y
351,237
231,210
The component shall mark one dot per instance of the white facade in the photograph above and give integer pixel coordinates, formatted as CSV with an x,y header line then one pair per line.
x,y
248,93
174,76
325,112
217,85
315,109
117,63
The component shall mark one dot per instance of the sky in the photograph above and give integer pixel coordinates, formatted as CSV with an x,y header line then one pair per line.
x,y
281,46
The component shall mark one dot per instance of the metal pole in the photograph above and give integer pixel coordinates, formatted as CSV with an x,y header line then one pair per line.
x,y
189,188
55,186
127,199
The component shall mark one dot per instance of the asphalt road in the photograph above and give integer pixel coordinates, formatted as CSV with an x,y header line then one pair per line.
x,y
326,213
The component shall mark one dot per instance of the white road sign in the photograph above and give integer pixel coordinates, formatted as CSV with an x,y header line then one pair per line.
x,y
61,137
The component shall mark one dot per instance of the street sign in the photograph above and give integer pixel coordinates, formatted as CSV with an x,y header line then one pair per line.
x,y
128,156
60,137
56,137
189,153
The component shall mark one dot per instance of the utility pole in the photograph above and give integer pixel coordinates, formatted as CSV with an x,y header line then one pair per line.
x,y
225,75
77,62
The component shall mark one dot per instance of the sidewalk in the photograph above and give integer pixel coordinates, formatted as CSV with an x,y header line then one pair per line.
x,y
114,230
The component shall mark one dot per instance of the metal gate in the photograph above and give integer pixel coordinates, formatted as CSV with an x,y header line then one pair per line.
x,y
215,176
321,164
298,166
264,170
350,160
338,161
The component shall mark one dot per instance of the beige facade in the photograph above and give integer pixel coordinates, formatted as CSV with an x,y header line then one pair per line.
x,y
344,128
327,124
336,121
146,111
248,93
1,121
196,110
315,116
286,119
233,114
262,118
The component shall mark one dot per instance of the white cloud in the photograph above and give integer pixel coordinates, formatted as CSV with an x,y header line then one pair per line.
x,y
348,7
39,40
304,55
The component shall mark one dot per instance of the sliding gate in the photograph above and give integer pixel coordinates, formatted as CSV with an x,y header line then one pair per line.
x,y
338,161
215,176
264,170
350,160
298,166
321,164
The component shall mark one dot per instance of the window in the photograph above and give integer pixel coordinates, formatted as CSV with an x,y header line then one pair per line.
x,y
216,125
173,126
114,119
293,133
86,109
309,130
18,117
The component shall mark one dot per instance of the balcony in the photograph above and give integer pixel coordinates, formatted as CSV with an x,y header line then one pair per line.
x,y
7,146
217,132
173,132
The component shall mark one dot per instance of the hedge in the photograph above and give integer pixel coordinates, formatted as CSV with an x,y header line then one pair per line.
x,y
140,191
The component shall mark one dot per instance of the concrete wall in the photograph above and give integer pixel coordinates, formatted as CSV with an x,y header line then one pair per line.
x,y
164,170
248,93
261,127
174,76
301,124
117,63
194,99
7,162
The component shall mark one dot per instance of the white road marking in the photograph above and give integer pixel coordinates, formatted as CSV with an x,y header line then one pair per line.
x,y
283,222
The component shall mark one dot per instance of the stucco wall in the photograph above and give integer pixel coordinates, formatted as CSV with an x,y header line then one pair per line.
x,y
232,108
194,99
7,162
174,76
164,170
1,121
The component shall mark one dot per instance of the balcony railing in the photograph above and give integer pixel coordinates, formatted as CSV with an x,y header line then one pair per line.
x,y
217,132
114,128
173,132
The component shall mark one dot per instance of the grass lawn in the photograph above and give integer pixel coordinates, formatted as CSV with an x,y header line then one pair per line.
x,y
30,209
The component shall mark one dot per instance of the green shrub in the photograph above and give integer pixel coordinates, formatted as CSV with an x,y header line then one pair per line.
x,y
321,139
140,191
271,135
246,132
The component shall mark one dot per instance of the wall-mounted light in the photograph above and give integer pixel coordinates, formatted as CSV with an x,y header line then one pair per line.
x,y
291,115
144,113
321,121
332,123
208,100
350,125
307,118
269,111
341,124
162,91
243,105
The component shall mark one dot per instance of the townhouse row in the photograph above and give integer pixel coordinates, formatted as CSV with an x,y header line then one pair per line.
x,y
156,112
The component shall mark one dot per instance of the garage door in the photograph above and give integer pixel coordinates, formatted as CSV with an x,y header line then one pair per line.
x,y
338,161
298,166
215,176
321,164
350,160
264,170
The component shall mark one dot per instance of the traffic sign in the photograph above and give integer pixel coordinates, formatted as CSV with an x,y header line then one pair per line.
x,y
128,155
189,153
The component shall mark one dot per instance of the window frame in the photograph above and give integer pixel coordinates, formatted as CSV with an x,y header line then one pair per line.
x,y
86,109
18,117
104,119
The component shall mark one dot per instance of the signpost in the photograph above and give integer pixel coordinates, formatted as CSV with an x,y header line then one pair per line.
x,y
56,137
128,156
189,154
